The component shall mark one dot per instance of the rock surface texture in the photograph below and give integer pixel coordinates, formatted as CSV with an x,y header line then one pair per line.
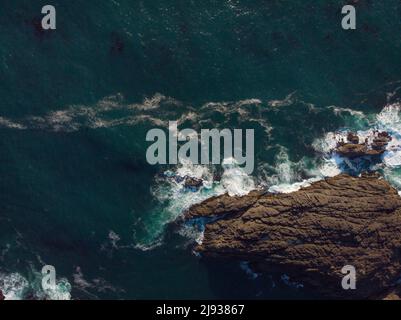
x,y
311,234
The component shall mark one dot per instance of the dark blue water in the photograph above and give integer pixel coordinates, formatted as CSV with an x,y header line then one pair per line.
x,y
76,191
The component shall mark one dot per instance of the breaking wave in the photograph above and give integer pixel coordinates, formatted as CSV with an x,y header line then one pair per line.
x,y
14,286
175,196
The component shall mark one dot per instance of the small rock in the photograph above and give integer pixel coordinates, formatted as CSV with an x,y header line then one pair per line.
x,y
193,183
352,138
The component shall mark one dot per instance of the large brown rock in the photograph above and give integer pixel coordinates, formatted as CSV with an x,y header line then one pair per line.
x,y
313,233
353,149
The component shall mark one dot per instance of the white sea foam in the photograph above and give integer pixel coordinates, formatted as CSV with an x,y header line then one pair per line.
x,y
288,175
329,168
289,188
389,120
192,233
62,291
339,111
92,285
99,115
176,198
114,239
287,101
13,286
7,123
234,180
80,281
113,111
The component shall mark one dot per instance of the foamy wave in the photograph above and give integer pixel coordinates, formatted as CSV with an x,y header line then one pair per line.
x,y
7,123
287,101
286,174
114,111
88,286
189,232
389,120
149,246
62,291
355,113
289,175
289,188
103,114
174,197
329,168
14,286
234,180
389,117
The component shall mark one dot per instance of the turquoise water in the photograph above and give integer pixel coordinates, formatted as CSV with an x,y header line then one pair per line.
x,y
76,103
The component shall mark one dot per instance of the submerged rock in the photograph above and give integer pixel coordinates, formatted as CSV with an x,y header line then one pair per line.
x,y
311,234
2,297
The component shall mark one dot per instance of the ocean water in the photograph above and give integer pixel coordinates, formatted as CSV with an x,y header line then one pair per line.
x,y
76,191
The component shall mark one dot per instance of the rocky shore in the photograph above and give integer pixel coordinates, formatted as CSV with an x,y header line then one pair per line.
x,y
311,234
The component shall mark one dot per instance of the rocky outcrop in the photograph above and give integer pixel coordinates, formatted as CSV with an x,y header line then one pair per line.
x,y
193,183
311,234
372,146
2,297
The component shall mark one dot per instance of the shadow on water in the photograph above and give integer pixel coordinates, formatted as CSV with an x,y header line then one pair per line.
x,y
230,279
